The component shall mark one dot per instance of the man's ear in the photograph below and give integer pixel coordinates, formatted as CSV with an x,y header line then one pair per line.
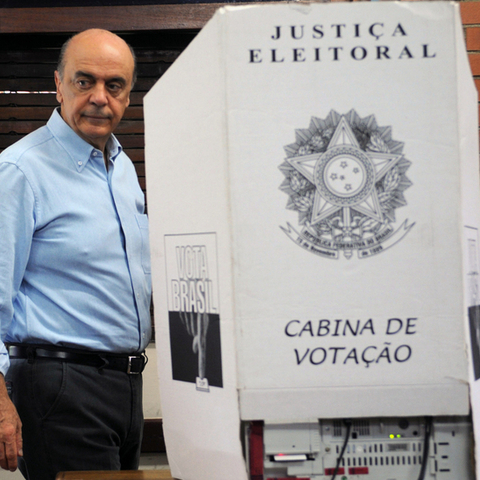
x,y
58,83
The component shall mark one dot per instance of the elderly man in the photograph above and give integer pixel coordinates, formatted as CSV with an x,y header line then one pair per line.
x,y
75,276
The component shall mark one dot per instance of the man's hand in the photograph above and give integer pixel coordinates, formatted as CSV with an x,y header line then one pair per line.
x,y
10,431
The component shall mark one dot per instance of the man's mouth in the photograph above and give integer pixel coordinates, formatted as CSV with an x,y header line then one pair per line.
x,y
96,117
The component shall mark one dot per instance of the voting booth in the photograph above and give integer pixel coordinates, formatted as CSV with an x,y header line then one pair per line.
x,y
313,195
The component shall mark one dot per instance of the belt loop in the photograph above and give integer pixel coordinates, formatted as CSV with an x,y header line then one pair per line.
x,y
31,354
105,362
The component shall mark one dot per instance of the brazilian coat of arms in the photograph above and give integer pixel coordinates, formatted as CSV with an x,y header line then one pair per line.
x,y
345,176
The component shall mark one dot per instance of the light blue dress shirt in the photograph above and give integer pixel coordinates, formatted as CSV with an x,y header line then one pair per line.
x,y
74,254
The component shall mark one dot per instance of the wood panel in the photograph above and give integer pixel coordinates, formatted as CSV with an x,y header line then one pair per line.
x,y
153,439
13,112
27,99
116,18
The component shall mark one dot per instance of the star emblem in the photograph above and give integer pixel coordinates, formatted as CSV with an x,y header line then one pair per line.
x,y
345,176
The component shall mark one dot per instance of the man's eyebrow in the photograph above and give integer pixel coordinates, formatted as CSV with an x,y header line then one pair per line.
x,y
79,73
119,79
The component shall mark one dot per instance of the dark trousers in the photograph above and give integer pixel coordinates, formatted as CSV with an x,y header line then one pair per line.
x,y
76,417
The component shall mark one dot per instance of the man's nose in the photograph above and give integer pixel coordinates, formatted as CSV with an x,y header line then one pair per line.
x,y
99,94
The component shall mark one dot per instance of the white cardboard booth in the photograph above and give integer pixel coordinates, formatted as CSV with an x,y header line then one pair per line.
x,y
312,175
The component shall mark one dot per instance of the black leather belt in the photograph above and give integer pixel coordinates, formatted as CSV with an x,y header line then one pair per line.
x,y
131,364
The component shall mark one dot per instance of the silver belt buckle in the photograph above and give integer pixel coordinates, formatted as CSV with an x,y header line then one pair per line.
x,y
129,367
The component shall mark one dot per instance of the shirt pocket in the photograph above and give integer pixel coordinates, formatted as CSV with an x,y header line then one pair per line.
x,y
142,221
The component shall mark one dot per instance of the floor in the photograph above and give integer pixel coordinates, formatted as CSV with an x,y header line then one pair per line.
x,y
147,462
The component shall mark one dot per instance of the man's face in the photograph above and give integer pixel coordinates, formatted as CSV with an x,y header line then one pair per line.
x,y
95,89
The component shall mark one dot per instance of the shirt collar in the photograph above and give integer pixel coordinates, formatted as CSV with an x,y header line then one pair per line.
x,y
113,147
78,149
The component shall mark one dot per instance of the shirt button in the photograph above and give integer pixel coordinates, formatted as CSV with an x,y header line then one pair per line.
x,y
94,154
80,163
